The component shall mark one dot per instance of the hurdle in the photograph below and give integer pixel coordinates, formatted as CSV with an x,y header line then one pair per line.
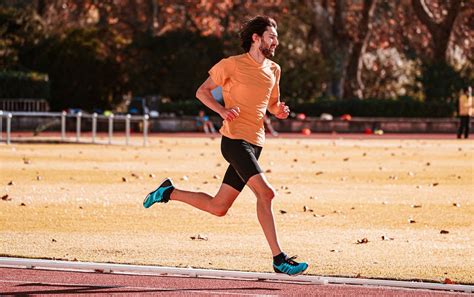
x,y
112,118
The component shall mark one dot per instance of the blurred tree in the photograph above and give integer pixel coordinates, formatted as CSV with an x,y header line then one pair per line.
x,y
81,72
18,29
339,30
440,29
172,65
439,79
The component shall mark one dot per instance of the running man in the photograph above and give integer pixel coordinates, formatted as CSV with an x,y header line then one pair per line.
x,y
250,86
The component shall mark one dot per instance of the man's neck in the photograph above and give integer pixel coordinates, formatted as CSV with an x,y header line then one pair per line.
x,y
256,55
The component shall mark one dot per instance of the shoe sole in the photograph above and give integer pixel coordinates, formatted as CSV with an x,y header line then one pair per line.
x,y
301,272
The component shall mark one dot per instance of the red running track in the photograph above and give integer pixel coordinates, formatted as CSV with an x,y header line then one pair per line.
x,y
27,282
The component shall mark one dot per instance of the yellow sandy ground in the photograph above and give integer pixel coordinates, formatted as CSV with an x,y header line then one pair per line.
x,y
76,206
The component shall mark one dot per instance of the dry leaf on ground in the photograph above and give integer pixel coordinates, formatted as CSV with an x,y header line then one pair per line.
x,y
200,237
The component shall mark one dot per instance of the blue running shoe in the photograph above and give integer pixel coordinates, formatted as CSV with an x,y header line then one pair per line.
x,y
290,267
159,195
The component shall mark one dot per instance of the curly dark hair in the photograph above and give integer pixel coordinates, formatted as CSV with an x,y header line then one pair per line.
x,y
256,25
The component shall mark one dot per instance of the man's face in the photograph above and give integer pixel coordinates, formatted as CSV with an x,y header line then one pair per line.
x,y
269,42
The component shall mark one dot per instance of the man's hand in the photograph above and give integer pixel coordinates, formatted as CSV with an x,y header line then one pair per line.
x,y
230,114
283,111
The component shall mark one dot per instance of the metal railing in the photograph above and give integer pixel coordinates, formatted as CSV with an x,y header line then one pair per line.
x,y
9,116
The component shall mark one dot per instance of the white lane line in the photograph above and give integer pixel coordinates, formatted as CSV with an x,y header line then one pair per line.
x,y
173,271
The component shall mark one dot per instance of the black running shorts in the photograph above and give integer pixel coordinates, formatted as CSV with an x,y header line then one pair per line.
x,y
242,157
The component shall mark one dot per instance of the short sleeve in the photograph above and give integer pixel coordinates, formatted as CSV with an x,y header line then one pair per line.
x,y
222,71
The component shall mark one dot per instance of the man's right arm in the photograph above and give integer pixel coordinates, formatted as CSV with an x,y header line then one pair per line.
x,y
204,95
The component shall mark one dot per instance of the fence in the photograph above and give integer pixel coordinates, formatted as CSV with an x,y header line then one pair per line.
x,y
62,117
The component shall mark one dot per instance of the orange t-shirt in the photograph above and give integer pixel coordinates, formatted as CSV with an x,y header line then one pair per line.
x,y
252,87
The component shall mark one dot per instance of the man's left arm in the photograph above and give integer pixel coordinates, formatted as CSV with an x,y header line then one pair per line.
x,y
275,106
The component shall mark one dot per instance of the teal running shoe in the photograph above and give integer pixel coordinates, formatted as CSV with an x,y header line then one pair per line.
x,y
160,195
290,267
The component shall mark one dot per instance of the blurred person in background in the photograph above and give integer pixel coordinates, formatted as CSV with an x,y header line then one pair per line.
x,y
204,124
464,111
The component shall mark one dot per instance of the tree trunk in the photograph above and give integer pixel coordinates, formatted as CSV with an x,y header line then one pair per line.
x,y
353,86
440,32
41,7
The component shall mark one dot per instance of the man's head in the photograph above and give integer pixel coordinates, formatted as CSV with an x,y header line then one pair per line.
x,y
260,32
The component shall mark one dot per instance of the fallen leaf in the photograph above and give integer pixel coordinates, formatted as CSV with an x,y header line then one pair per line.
x,y
448,281
200,237
362,241
444,232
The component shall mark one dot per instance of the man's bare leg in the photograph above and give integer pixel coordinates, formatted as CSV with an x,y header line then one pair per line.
x,y
217,205
265,193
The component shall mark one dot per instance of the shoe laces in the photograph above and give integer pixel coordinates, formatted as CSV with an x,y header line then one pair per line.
x,y
290,261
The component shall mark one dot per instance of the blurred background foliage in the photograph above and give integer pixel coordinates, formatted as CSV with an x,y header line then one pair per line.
x,y
364,57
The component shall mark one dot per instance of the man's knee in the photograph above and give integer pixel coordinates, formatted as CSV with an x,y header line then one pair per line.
x,y
267,194
220,211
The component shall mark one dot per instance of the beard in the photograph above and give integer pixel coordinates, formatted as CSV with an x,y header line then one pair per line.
x,y
266,50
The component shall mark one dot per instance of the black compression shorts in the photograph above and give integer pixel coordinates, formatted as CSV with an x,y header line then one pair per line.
x,y
242,157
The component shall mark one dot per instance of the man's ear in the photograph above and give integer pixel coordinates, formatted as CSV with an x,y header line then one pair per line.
x,y
255,37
